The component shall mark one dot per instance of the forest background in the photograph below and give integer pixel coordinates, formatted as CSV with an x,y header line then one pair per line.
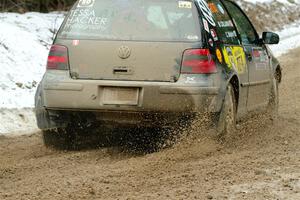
x,y
44,6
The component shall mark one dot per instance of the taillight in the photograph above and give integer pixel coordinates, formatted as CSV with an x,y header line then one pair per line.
x,y
58,58
198,61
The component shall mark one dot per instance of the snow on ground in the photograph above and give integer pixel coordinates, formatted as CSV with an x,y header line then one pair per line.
x,y
17,121
268,1
24,45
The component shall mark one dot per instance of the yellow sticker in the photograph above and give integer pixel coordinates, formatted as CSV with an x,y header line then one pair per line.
x,y
184,4
219,55
235,58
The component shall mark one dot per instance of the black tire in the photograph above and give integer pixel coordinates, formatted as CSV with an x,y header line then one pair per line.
x,y
227,119
273,106
62,138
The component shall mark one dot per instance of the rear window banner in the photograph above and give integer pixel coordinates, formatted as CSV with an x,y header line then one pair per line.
x,y
207,13
145,20
85,3
86,19
235,58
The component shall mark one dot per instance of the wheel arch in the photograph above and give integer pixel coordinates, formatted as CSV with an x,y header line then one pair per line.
x,y
278,73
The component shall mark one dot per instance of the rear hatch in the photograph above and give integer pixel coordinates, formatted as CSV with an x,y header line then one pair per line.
x,y
129,39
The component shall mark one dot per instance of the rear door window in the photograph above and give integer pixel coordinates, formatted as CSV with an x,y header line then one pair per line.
x,y
158,20
224,25
247,32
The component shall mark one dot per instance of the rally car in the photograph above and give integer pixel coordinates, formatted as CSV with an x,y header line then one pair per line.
x,y
152,63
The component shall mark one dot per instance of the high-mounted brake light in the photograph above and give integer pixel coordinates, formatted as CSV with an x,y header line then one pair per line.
x,y
58,58
198,61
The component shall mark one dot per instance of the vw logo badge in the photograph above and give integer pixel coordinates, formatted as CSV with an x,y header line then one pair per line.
x,y
124,52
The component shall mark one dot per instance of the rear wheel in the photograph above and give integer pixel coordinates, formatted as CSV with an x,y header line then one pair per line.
x,y
227,120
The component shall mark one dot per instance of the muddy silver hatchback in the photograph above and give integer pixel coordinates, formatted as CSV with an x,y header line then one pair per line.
x,y
153,63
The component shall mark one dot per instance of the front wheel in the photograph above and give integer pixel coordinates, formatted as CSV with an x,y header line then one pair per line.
x,y
227,120
274,100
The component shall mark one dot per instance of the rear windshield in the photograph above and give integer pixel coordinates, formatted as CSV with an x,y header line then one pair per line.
x,y
158,20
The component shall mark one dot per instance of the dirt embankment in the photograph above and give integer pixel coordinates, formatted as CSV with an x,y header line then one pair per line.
x,y
262,162
271,16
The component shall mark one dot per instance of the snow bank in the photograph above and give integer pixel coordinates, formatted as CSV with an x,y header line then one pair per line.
x,y
24,44
289,39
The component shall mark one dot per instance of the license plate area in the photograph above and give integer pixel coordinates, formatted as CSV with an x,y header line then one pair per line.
x,y
119,96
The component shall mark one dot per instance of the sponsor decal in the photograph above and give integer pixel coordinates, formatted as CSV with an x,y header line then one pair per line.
x,y
255,53
185,4
211,42
213,8
259,55
206,12
85,3
214,34
221,9
75,42
192,37
225,23
231,34
263,56
190,80
260,58
205,24
219,55
86,18
235,58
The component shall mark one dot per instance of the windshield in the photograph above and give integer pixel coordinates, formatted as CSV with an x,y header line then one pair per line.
x,y
132,20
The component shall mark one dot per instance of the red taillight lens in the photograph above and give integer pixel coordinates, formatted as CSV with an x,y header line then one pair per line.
x,y
198,61
58,58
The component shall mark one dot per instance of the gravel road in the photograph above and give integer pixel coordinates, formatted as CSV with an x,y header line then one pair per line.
x,y
261,162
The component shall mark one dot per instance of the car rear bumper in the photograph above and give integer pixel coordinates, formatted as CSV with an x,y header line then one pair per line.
x,y
190,93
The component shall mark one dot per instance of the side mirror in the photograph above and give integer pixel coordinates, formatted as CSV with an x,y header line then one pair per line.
x,y
270,38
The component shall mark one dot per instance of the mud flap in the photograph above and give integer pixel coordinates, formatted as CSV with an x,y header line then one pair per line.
x,y
43,117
